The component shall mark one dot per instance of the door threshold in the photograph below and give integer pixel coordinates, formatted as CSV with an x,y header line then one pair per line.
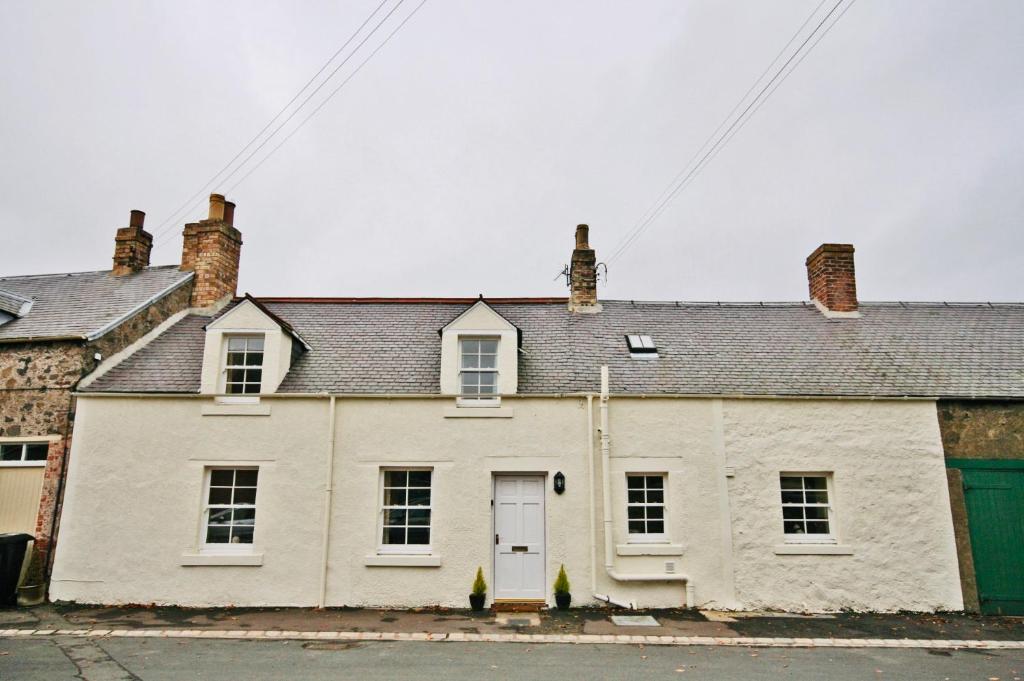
x,y
518,605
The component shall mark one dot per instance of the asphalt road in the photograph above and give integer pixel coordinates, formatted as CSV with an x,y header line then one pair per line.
x,y
58,658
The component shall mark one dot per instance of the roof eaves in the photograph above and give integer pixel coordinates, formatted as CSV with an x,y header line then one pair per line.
x,y
138,308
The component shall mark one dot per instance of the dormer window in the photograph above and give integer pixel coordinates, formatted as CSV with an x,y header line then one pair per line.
x,y
478,368
243,367
641,346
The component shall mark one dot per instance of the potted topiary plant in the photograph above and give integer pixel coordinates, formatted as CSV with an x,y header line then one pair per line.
x,y
479,593
562,595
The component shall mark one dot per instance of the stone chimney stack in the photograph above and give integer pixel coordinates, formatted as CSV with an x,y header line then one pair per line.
x,y
583,274
831,280
212,248
132,246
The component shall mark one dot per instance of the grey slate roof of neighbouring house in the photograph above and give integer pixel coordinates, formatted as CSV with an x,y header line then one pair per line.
x,y
792,349
83,304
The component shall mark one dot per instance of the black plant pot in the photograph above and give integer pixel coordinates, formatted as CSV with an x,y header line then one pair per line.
x,y
476,601
563,600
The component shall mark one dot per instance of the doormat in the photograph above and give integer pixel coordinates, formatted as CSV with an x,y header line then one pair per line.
x,y
634,621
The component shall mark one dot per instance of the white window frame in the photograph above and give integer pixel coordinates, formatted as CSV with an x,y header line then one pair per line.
x,y
240,397
481,399
22,462
648,537
404,549
222,548
829,538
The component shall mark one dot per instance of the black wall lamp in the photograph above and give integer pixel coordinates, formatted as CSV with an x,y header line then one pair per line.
x,y
559,482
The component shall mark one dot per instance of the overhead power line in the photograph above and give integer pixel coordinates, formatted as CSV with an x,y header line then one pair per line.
x,y
188,202
702,157
199,197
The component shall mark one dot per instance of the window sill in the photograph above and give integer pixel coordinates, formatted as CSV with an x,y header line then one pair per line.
x,y
649,550
402,560
235,409
805,549
22,464
478,412
237,559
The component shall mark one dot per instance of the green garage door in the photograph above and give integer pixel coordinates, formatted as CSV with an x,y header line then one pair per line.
x,y
995,516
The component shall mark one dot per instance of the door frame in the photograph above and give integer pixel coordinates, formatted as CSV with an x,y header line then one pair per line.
x,y
494,572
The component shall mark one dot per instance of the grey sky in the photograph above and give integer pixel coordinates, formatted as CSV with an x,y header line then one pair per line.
x,y
460,159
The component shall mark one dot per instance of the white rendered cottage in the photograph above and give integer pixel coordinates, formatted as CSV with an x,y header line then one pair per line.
x,y
374,452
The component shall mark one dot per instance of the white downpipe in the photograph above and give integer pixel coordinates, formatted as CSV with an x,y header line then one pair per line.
x,y
606,490
590,473
328,493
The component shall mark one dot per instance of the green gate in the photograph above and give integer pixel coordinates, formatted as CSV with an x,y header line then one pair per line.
x,y
994,496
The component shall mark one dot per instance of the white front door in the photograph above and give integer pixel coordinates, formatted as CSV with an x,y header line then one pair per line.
x,y
519,537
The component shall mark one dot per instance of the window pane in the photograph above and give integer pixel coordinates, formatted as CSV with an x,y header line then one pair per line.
x,y
220,516
419,497
244,516
636,527
394,517
236,344
245,495
222,478
419,517
394,535
235,358
220,495
394,497
817,497
253,375
655,527
791,483
655,496
792,497
246,478
10,452
635,481
817,527
241,535
487,379
396,478
816,513
636,496
235,375
488,347
635,512
254,359
254,344
488,361
251,389
470,361
654,482
793,513
656,512
793,527
814,483
419,535
36,452
419,478
218,534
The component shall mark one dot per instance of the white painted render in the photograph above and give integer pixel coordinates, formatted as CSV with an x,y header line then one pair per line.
x,y
132,510
480,320
245,319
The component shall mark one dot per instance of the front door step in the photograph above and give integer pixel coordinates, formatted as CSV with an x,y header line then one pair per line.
x,y
518,606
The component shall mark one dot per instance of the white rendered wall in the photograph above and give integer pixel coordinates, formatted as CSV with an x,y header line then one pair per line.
x,y
135,487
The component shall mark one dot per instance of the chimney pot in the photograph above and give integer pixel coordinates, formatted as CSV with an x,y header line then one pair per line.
x,y
137,218
582,236
216,207
831,279
229,212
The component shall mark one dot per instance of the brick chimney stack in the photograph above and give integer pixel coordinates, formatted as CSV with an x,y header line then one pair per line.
x,y
212,248
583,274
831,279
132,246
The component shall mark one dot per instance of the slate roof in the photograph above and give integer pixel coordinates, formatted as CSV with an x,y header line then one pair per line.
x,y
12,303
893,349
83,304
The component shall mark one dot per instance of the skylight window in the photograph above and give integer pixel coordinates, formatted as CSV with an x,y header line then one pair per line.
x,y
641,346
